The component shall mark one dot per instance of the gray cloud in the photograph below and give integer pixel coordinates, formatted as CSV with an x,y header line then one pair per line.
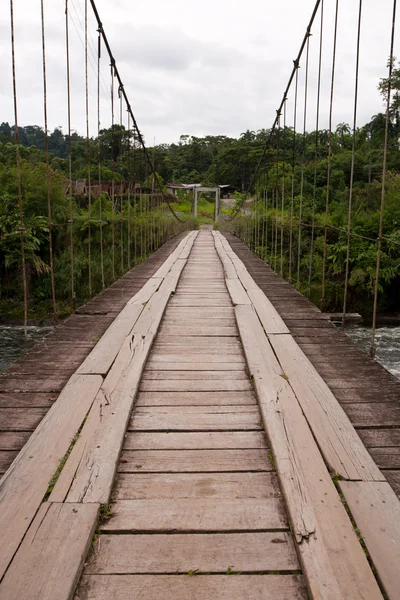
x,y
215,67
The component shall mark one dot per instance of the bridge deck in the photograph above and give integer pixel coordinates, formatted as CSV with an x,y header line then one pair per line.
x,y
199,490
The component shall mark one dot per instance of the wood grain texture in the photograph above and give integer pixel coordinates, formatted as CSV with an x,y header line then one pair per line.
x,y
219,440
343,450
24,485
182,587
177,385
196,485
195,461
179,553
376,511
194,422
333,560
196,398
196,515
48,563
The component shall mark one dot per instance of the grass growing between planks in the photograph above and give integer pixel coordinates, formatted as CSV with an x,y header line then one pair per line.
x,y
64,459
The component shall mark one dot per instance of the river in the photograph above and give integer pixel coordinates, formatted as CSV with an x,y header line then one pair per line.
x,y
387,344
12,343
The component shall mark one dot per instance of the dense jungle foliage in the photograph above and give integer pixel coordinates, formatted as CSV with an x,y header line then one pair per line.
x,y
210,160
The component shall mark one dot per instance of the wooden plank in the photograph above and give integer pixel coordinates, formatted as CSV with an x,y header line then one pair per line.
x,y
6,458
268,315
158,357
376,511
27,400
24,485
191,342
209,553
189,301
206,330
380,438
374,414
342,449
146,292
13,440
155,365
48,563
196,410
138,486
176,385
195,398
386,458
393,478
237,292
239,375
196,515
220,440
103,355
195,461
332,558
21,419
198,422
212,587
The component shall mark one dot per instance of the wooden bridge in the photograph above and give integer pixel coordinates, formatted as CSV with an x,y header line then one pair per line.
x,y
221,440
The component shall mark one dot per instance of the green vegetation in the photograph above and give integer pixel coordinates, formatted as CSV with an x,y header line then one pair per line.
x,y
135,224
275,218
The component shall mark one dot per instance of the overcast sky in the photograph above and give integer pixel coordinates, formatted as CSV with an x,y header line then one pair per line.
x,y
208,67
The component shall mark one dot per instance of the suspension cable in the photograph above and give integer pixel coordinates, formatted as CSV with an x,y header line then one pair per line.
x,y
19,177
48,178
89,178
99,155
316,150
71,222
293,171
303,162
353,154
383,190
328,179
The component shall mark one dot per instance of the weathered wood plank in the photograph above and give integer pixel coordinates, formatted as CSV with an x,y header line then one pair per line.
x,y
175,366
163,358
21,419
48,563
195,461
177,385
196,515
343,451
212,587
376,511
220,440
89,473
150,375
24,485
268,315
103,355
386,458
195,398
209,553
195,422
196,485
333,560
384,438
27,400
237,292
206,330
13,440
374,414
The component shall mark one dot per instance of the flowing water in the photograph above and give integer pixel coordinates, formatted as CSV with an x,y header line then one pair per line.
x,y
13,343
387,344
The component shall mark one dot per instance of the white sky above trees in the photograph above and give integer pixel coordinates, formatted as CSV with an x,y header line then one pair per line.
x,y
199,68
